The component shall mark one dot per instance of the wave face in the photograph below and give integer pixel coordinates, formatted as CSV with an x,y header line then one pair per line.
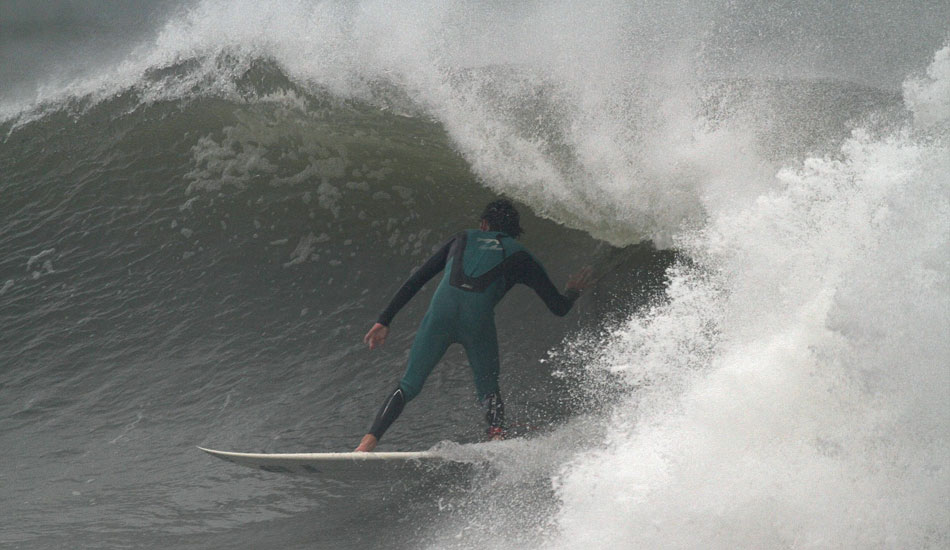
x,y
198,229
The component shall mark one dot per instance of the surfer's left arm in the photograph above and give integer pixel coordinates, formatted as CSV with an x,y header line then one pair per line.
x,y
534,275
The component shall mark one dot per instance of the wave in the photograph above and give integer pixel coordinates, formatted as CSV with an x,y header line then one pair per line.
x,y
525,143
584,142
792,391
226,198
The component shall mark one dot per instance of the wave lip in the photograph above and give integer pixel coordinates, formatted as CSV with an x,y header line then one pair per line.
x,y
614,146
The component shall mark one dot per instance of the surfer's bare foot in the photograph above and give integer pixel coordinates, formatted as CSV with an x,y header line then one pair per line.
x,y
367,444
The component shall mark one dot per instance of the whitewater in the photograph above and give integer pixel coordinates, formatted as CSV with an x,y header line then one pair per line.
x,y
203,213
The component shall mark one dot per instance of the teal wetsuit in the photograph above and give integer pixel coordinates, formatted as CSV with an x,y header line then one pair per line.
x,y
480,267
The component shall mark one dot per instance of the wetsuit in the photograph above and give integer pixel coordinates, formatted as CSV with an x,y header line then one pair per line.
x,y
480,268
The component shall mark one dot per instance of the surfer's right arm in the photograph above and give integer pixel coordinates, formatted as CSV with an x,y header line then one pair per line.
x,y
436,263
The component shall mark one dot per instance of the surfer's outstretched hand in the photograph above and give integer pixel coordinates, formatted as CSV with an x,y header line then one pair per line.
x,y
581,280
376,336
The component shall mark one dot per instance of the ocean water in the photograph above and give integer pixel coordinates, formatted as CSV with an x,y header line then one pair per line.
x,y
204,205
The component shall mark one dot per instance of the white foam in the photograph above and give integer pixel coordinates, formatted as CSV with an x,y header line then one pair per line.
x,y
37,258
303,250
929,96
816,414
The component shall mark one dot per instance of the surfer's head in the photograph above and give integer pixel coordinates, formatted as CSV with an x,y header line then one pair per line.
x,y
501,215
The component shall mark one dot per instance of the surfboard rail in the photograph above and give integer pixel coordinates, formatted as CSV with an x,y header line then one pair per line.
x,y
363,464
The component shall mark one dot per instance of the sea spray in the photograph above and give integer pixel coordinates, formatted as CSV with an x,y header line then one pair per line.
x,y
819,418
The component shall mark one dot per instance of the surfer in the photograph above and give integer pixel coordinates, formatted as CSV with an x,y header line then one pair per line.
x,y
481,265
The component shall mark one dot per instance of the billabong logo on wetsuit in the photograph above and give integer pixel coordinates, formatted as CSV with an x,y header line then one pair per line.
x,y
489,244
459,279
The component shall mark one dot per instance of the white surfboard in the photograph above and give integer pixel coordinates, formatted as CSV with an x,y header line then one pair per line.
x,y
339,465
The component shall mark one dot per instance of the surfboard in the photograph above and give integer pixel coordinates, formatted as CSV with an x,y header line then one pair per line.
x,y
340,465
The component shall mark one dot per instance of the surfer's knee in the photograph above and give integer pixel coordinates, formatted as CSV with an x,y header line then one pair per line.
x,y
410,389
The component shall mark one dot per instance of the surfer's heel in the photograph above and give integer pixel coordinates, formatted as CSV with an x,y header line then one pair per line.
x,y
497,433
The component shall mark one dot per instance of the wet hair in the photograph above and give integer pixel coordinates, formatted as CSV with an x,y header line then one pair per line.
x,y
502,216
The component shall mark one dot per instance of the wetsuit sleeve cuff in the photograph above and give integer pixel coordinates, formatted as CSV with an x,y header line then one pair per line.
x,y
572,294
